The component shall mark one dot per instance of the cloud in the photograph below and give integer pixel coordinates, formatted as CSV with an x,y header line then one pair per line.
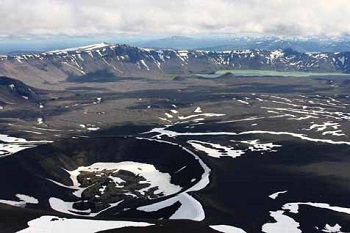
x,y
110,17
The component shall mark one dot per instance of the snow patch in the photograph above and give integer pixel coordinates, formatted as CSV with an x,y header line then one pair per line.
x,y
294,207
54,224
227,229
198,110
88,48
261,147
169,115
190,208
154,178
276,195
10,145
332,229
215,150
342,60
144,64
23,201
40,121
282,223
200,115
243,102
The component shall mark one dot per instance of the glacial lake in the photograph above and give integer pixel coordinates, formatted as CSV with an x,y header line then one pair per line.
x,y
261,73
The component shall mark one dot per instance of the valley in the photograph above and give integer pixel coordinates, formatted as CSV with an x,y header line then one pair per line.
x,y
225,154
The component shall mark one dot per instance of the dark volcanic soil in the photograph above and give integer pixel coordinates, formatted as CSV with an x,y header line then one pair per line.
x,y
258,136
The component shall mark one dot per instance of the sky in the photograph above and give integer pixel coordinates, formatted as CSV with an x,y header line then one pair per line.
x,y
32,19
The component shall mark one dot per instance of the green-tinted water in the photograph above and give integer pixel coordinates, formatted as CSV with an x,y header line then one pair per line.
x,y
260,73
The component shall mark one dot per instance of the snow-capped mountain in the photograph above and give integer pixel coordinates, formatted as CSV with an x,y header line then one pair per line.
x,y
241,42
127,61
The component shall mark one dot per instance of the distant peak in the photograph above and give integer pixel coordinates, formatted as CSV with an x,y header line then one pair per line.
x,y
179,37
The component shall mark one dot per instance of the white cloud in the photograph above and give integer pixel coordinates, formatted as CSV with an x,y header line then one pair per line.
x,y
108,17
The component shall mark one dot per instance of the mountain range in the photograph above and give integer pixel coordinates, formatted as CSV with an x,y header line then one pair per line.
x,y
110,61
222,43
